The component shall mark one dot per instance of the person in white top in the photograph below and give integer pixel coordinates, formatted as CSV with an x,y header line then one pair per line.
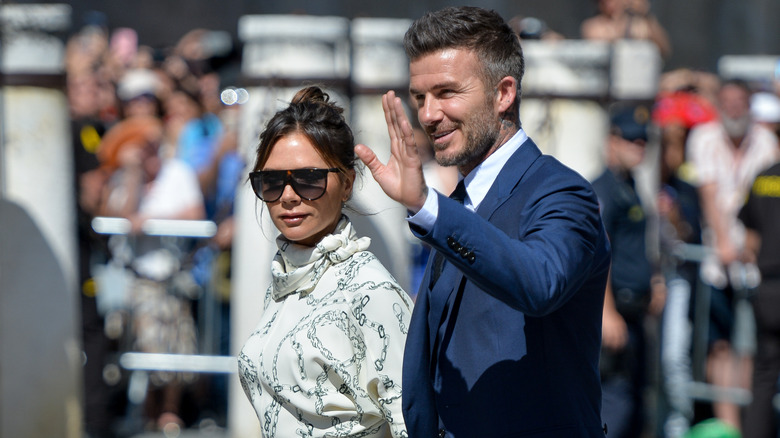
x,y
325,358
145,185
727,155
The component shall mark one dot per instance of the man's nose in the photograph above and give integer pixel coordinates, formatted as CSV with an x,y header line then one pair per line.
x,y
429,112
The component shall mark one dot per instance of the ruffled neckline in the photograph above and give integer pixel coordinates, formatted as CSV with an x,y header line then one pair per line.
x,y
298,268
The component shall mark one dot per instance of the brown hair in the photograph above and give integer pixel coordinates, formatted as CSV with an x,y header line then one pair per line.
x,y
482,31
314,115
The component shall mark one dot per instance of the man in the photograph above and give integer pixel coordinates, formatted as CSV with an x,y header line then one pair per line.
x,y
628,293
760,214
727,155
506,331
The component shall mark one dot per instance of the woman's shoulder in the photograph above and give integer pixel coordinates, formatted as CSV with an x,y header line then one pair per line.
x,y
363,264
363,273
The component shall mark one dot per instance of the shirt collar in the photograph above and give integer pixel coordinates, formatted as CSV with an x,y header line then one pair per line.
x,y
479,181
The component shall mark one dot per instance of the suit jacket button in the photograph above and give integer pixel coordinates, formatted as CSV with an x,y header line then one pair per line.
x,y
451,243
442,433
471,258
464,252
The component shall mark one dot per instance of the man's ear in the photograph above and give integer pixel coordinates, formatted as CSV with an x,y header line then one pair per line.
x,y
506,93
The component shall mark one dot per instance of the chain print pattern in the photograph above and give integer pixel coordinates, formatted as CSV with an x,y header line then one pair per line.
x,y
352,325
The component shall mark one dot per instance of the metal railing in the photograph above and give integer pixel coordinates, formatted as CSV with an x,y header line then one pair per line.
x,y
138,361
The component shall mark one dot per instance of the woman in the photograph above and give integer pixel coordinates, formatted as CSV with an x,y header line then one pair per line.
x,y
325,359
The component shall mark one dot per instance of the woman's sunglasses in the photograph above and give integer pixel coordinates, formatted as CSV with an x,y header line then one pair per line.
x,y
309,184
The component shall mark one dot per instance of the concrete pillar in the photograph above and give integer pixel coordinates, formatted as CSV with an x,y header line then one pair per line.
x,y
40,355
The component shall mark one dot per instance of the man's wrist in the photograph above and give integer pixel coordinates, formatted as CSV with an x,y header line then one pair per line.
x,y
426,215
414,209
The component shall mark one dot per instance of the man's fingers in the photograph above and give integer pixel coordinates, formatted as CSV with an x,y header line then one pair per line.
x,y
409,140
404,131
390,103
369,158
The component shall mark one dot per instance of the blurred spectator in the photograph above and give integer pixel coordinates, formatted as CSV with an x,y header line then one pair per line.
x,y
86,130
701,83
765,109
676,113
761,214
138,92
680,218
147,186
195,137
139,111
532,28
678,108
123,49
84,56
85,50
684,107
727,154
626,19
193,61
629,296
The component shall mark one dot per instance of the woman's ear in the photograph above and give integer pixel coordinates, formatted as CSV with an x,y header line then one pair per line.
x,y
348,179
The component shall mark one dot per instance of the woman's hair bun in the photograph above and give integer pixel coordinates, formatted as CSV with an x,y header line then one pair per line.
x,y
314,95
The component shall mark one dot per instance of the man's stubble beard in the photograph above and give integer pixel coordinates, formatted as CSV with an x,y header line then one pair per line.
x,y
482,132
736,128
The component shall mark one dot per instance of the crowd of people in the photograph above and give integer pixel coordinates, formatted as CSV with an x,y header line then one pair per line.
x,y
152,140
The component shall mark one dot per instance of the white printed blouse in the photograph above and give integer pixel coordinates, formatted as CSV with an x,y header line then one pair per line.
x,y
326,357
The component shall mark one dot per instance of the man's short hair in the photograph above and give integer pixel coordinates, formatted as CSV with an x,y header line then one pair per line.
x,y
482,31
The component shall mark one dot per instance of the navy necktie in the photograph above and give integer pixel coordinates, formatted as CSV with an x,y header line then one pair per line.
x,y
459,194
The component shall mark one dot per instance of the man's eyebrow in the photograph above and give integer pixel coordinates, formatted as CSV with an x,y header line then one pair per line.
x,y
439,86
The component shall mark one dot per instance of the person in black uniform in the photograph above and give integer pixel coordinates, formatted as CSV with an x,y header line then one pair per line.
x,y
87,129
761,215
628,293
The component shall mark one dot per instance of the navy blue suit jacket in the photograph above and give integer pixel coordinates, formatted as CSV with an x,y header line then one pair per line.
x,y
505,342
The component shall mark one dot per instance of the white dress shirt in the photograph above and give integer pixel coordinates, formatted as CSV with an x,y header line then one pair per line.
x,y
478,182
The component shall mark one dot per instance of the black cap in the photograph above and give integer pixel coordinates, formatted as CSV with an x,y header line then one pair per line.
x,y
630,121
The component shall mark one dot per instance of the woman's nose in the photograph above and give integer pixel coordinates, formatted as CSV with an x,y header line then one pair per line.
x,y
289,195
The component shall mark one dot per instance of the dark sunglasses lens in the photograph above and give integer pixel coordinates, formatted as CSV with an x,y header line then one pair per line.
x,y
310,183
268,186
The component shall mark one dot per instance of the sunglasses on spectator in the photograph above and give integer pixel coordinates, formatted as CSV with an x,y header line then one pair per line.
x,y
309,184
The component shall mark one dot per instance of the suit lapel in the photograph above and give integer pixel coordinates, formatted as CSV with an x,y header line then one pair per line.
x,y
510,176
451,278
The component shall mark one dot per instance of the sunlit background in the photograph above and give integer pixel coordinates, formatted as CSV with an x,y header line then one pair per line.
x,y
68,367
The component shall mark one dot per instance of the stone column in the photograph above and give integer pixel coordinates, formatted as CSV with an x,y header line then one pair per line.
x,y
40,355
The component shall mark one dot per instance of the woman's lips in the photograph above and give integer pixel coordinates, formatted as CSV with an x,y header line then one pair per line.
x,y
293,219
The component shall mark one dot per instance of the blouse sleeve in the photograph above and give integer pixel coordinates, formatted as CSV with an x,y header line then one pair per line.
x,y
382,311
